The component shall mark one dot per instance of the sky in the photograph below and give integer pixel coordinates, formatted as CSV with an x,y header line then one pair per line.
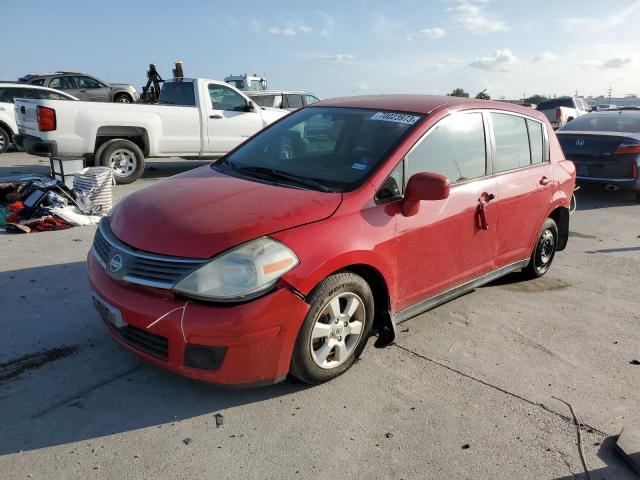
x,y
336,48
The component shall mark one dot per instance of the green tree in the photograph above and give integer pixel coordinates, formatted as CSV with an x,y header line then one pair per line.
x,y
535,99
458,92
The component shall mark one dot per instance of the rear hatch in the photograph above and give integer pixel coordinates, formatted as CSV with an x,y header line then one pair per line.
x,y
606,155
27,116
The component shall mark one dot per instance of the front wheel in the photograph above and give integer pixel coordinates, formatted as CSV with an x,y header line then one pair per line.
x,y
335,330
125,159
5,140
123,98
544,251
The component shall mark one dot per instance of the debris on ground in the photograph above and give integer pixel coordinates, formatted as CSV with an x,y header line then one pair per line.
x,y
388,435
186,441
635,362
15,367
465,446
219,420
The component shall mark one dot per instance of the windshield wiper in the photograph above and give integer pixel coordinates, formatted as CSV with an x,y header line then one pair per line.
x,y
273,173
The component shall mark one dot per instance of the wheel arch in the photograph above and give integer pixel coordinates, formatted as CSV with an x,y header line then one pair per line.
x,y
137,135
5,126
561,216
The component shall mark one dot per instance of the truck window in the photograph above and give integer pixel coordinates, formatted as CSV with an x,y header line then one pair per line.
x,y
292,101
223,98
178,93
555,103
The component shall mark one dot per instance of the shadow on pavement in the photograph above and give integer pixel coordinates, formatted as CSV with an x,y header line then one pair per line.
x,y
98,390
590,197
615,469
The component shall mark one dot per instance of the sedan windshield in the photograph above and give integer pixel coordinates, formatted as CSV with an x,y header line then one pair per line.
x,y
322,148
623,122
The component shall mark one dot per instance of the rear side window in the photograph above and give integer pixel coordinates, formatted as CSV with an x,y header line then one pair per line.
x,y
455,148
309,99
512,142
178,93
264,100
292,101
62,83
37,81
536,141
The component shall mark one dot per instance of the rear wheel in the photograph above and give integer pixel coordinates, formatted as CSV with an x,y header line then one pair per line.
x,y
637,192
5,140
125,159
335,330
123,98
544,251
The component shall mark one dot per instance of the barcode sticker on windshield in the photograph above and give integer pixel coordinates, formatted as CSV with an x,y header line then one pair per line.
x,y
396,117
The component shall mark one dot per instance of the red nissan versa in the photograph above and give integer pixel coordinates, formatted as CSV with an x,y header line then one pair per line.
x,y
342,219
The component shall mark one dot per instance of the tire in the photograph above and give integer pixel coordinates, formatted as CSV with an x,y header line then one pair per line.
x,y
544,252
637,194
124,157
123,98
318,360
5,140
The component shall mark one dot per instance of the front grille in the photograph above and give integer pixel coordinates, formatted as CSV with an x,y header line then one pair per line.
x,y
136,266
147,342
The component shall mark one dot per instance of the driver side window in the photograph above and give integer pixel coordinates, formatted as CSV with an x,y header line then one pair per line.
x,y
223,98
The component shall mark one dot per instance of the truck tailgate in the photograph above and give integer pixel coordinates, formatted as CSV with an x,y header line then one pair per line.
x,y
26,116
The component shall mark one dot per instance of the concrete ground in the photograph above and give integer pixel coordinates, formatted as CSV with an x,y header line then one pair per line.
x,y
473,389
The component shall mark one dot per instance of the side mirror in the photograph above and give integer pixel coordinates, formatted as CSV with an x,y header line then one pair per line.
x,y
250,107
424,186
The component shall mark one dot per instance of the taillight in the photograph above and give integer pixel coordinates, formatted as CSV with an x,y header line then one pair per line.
x,y
558,113
634,170
46,119
628,149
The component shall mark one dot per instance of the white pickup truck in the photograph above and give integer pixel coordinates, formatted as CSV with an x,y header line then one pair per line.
x,y
195,118
562,110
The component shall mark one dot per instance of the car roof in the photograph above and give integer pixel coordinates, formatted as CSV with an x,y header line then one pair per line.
x,y
423,104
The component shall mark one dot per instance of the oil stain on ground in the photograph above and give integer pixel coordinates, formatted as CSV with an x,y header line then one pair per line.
x,y
20,365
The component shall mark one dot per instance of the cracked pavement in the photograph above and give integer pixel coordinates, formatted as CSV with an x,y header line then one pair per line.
x,y
479,372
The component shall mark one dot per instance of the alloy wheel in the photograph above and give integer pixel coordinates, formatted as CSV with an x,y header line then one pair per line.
x,y
337,330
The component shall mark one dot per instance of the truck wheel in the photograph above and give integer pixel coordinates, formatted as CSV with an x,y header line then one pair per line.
x,y
125,159
5,140
123,98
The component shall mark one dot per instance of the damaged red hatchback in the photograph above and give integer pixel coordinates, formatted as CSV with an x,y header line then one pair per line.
x,y
342,219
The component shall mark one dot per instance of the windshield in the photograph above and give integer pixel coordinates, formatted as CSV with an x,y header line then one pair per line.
x,y
325,148
626,122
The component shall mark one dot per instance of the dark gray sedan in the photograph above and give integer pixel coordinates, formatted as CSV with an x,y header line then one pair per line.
x,y
85,87
605,148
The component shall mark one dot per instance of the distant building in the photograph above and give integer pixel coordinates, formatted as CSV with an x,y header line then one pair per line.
x,y
630,101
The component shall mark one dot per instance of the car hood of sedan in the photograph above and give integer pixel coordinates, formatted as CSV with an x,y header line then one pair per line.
x,y
200,213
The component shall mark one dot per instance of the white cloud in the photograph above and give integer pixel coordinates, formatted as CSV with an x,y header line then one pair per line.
x,y
286,32
501,61
338,57
433,32
362,86
591,25
545,57
305,29
617,62
470,16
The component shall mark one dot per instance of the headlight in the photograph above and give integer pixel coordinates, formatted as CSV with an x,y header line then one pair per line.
x,y
239,274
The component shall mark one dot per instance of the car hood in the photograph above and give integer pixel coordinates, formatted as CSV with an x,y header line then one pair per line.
x,y
203,212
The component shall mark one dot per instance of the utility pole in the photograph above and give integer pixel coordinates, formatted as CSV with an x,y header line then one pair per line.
x,y
609,94
576,92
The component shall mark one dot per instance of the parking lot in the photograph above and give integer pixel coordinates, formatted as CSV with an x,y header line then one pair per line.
x,y
473,389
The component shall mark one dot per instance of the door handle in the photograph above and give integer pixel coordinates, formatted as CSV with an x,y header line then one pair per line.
x,y
484,199
545,180
217,117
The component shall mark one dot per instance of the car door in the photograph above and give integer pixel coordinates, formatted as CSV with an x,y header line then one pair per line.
x,y
449,242
229,122
524,175
67,84
94,90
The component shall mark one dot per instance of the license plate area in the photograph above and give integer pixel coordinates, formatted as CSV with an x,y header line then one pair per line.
x,y
108,313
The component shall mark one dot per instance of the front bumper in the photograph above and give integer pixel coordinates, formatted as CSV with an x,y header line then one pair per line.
x,y
35,146
259,336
